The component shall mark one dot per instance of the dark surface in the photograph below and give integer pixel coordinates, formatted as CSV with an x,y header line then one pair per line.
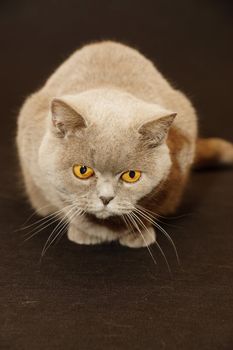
x,y
108,297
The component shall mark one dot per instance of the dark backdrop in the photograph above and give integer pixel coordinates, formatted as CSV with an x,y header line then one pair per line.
x,y
110,297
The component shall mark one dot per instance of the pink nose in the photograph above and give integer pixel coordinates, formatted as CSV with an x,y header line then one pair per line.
x,y
106,200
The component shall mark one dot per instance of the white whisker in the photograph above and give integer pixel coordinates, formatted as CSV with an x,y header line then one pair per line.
x,y
59,226
35,212
62,230
47,222
146,217
138,229
155,216
161,216
41,220
159,247
127,223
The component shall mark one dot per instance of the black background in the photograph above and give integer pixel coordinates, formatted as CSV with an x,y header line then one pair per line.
x,y
110,297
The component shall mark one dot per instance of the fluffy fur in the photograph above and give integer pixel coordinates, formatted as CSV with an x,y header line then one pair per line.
x,y
109,108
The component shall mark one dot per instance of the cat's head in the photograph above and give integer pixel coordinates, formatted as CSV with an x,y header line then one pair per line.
x,y
105,150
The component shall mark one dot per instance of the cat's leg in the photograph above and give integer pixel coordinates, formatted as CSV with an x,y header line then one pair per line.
x,y
77,236
83,231
137,240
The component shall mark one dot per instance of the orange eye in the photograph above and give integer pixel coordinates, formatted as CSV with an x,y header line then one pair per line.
x,y
131,176
82,171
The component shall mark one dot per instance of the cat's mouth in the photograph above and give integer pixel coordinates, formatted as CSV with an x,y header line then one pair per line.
x,y
103,214
106,212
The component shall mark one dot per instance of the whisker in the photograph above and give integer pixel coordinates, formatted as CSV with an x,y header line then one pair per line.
x,y
138,229
146,217
45,224
63,230
50,238
127,223
150,211
41,228
164,217
155,216
49,220
41,220
47,216
159,247
35,212
60,233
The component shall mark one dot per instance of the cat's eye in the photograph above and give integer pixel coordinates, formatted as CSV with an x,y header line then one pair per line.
x,y
82,171
131,176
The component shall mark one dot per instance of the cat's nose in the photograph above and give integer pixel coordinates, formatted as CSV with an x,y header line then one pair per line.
x,y
106,200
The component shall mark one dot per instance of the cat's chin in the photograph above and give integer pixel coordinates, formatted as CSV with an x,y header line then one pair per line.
x,y
104,214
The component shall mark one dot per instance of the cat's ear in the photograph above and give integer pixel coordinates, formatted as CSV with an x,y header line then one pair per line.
x,y
65,119
154,131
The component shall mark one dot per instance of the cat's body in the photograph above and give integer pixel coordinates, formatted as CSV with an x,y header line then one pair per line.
x,y
108,108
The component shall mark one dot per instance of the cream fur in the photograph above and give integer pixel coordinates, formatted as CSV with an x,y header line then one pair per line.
x,y
106,94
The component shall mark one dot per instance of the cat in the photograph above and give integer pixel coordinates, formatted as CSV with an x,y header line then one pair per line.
x,y
107,146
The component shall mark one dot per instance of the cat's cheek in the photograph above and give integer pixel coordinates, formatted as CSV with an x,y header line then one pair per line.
x,y
135,191
46,157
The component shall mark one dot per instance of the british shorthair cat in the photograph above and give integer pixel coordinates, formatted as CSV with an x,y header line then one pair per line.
x,y
106,146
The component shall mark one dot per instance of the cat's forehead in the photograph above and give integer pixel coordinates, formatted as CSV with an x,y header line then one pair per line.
x,y
117,151
107,152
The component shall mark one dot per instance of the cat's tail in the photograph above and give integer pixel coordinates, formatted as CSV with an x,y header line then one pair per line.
x,y
213,152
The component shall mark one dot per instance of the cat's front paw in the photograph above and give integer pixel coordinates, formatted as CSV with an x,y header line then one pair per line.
x,y
137,240
81,237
